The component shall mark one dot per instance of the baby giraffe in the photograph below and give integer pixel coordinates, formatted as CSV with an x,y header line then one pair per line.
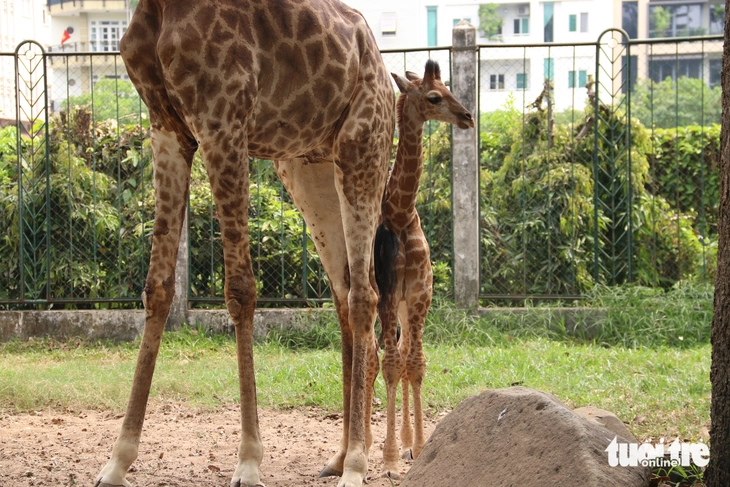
x,y
402,257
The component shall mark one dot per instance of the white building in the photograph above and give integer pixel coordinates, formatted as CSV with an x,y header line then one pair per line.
x,y
20,20
94,26
509,71
421,23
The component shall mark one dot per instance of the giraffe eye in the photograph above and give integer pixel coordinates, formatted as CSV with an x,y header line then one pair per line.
x,y
434,100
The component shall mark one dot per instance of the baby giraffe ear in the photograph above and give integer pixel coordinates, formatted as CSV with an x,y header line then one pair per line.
x,y
412,76
403,84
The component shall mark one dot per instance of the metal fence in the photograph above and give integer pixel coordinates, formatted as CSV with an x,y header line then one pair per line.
x,y
606,174
610,178
78,203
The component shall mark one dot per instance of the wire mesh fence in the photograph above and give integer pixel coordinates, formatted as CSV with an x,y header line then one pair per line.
x,y
434,197
80,200
598,162
598,165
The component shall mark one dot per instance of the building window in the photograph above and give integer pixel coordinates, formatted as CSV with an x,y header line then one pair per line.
x,y
456,21
660,69
549,69
572,23
496,81
388,24
105,34
548,22
717,19
577,79
675,20
584,22
715,70
629,16
521,81
432,22
522,26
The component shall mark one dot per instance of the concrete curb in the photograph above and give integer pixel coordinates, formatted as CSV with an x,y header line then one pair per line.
x,y
126,325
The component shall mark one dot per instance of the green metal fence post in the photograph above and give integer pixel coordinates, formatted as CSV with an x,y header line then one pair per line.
x,y
34,183
612,184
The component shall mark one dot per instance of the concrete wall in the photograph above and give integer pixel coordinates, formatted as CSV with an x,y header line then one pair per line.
x,y
127,325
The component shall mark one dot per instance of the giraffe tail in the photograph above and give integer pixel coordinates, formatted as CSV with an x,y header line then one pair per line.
x,y
386,253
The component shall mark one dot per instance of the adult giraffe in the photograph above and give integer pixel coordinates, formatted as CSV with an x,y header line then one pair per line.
x,y
299,82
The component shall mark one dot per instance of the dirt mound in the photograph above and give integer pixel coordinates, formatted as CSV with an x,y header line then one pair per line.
x,y
519,437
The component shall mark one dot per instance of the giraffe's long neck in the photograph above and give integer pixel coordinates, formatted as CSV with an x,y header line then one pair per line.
x,y
402,190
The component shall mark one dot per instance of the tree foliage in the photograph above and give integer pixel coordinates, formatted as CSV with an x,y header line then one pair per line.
x,y
688,101
111,99
490,24
538,223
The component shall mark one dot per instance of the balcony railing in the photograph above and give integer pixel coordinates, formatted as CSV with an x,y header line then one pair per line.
x,y
62,6
90,46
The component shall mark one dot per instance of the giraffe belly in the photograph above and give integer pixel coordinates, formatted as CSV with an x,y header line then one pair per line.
x,y
289,143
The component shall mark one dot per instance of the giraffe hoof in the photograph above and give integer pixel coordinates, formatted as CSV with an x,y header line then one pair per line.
x,y
407,455
391,475
328,471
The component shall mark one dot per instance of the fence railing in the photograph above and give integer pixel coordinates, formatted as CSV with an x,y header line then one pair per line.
x,y
606,174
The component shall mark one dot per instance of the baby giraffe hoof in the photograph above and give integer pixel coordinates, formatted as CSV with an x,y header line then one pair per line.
x,y
390,474
407,455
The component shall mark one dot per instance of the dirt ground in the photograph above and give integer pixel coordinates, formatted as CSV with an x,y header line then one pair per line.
x,y
181,447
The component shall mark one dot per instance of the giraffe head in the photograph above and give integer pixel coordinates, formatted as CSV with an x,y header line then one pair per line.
x,y
430,98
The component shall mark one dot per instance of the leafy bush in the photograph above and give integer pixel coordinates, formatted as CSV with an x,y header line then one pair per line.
x,y
538,226
685,164
668,104
111,99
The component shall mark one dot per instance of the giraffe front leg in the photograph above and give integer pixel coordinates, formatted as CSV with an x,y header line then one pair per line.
x,y
406,430
226,160
416,370
172,173
359,215
419,291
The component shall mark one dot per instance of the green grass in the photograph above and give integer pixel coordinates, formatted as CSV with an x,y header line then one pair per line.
x,y
647,359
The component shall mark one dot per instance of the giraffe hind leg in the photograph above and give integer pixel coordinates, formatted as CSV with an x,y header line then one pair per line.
x,y
227,167
388,268
361,167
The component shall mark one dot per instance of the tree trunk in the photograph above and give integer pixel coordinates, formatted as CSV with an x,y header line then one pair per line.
x,y
718,470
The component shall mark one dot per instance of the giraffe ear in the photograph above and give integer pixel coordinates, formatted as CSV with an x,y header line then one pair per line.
x,y
403,84
412,76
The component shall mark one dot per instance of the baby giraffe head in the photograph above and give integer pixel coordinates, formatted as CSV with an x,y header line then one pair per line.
x,y
430,98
